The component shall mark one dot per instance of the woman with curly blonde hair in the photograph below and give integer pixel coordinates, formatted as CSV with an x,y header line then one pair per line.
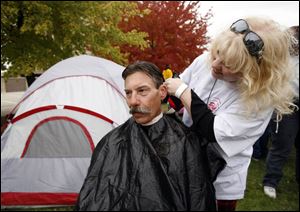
x,y
230,94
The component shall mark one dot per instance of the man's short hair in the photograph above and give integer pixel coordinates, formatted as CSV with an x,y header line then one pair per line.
x,y
146,67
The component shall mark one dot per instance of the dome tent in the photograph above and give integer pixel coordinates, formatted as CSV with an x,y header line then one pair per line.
x,y
47,147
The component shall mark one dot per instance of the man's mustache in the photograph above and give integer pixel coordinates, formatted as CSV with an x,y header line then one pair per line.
x,y
139,110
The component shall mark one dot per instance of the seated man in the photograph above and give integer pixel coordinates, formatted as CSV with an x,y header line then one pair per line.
x,y
152,161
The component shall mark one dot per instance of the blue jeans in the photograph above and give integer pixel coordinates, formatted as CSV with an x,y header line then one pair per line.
x,y
282,143
260,148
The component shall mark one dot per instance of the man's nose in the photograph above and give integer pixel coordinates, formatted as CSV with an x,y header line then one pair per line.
x,y
133,100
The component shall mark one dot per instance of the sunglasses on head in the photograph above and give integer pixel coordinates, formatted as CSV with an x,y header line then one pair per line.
x,y
252,41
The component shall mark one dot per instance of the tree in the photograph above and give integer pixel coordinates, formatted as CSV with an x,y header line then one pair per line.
x,y
37,34
176,33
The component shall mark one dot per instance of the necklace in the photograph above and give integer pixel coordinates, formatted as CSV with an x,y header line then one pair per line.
x,y
212,88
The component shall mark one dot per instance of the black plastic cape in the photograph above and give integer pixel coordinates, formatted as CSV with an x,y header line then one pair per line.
x,y
161,168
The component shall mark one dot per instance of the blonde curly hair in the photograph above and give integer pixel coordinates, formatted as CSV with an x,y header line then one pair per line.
x,y
264,83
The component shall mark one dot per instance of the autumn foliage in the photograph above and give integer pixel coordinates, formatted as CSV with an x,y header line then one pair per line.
x,y
176,33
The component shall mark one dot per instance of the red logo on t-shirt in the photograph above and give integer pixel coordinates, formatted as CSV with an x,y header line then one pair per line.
x,y
214,104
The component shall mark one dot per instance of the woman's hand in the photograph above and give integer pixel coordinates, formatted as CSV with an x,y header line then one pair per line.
x,y
178,88
172,85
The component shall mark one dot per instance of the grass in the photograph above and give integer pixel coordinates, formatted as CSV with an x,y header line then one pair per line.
x,y
255,200
287,191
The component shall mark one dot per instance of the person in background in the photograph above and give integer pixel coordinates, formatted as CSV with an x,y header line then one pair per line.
x,y
152,162
260,148
230,93
284,133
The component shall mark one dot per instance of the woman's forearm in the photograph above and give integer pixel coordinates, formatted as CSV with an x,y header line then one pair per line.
x,y
186,99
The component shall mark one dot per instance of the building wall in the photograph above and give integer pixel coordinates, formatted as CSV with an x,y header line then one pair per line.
x,y
14,84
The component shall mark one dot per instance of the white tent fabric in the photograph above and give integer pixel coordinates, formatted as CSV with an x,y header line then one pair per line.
x,y
46,149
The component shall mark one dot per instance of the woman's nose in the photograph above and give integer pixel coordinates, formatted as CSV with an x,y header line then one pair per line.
x,y
216,63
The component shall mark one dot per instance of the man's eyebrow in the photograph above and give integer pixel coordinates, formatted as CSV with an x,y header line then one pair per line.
x,y
143,87
138,88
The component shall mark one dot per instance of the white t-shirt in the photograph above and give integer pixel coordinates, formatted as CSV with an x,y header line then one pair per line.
x,y
235,133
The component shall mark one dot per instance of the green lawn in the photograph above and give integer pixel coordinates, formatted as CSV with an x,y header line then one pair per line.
x,y
287,192
255,200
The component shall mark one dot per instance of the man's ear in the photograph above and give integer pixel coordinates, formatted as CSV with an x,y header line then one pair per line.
x,y
163,91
